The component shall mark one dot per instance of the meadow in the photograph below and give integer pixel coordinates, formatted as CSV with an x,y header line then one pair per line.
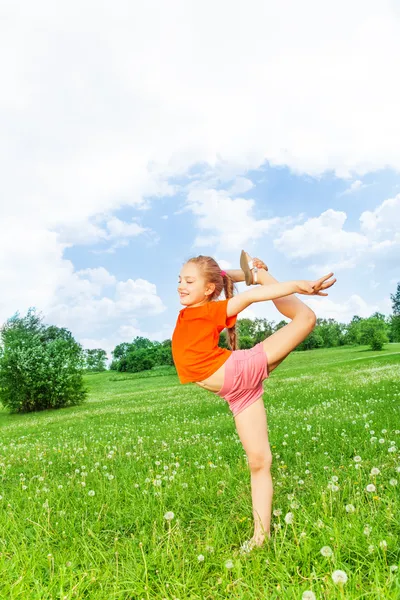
x,y
144,490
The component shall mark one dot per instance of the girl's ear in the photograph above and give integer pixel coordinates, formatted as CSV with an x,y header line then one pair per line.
x,y
210,289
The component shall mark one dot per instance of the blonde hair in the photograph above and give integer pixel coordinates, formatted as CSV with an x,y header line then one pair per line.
x,y
211,272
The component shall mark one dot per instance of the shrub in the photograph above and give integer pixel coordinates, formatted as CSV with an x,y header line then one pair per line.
x,y
40,367
373,332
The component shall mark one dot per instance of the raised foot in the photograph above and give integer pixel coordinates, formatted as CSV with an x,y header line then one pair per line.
x,y
250,267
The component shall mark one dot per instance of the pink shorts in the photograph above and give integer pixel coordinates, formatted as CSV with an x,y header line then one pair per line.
x,y
245,371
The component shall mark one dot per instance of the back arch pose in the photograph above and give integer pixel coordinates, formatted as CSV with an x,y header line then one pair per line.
x,y
238,375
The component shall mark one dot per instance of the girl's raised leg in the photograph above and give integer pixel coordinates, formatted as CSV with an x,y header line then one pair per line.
x,y
278,345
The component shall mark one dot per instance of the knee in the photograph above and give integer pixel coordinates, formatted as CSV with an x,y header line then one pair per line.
x,y
260,462
310,318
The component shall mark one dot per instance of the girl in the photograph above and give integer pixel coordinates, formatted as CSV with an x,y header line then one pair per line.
x,y
237,375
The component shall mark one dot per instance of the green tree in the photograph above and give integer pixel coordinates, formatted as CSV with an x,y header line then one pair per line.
x,y
352,333
246,342
313,340
374,332
40,367
164,353
95,360
140,360
395,318
245,328
331,332
223,339
262,329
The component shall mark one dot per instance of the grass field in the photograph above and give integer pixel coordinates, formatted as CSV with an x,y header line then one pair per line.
x,y
144,491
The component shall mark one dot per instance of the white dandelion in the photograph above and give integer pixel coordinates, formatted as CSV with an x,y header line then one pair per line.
x,y
326,551
308,595
169,516
289,518
367,530
339,576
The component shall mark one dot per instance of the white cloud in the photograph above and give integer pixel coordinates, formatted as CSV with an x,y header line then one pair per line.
x,y
99,229
229,223
342,311
384,221
241,185
320,235
98,276
354,187
101,106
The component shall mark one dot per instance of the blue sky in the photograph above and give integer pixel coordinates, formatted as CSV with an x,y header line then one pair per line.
x,y
130,145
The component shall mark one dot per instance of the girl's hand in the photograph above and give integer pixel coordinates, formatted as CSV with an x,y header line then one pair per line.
x,y
313,288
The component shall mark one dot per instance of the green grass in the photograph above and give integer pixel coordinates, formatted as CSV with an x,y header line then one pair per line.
x,y
145,445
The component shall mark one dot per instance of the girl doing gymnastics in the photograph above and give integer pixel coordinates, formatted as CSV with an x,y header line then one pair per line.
x,y
237,375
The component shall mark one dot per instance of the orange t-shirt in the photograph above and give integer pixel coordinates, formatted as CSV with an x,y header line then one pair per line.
x,y
195,340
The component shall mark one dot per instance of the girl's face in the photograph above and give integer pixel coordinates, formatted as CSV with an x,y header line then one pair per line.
x,y
192,288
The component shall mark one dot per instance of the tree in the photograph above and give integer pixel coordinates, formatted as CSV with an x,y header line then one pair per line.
x,y
353,331
373,332
223,339
262,329
246,342
95,360
40,367
395,318
164,353
313,340
395,298
330,331
140,360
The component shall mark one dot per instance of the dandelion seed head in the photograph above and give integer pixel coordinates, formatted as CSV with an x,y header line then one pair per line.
x,y
308,595
326,551
339,576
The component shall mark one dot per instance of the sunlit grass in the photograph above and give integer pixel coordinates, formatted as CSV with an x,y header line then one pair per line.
x,y
144,491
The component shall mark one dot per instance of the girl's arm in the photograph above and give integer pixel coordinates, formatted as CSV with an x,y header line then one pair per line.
x,y
277,290
258,294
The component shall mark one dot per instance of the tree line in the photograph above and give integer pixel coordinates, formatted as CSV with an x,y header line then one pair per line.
x,y
41,366
374,331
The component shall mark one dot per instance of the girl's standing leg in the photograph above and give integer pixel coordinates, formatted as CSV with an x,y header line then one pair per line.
x,y
251,423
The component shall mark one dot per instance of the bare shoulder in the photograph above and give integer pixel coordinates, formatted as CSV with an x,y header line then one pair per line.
x,y
240,301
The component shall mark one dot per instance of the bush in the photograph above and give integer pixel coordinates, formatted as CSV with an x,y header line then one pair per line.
x,y
373,332
40,367
313,340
